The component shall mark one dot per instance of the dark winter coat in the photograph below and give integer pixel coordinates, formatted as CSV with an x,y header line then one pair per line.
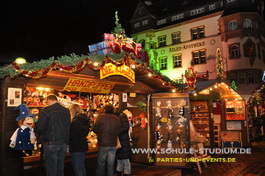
x,y
125,151
107,128
78,132
53,124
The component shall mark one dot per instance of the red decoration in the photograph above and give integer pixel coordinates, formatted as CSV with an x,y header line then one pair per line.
x,y
190,76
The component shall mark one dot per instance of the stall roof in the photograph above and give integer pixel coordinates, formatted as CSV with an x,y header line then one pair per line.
x,y
223,87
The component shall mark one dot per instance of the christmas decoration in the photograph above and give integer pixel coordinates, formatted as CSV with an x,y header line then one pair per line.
x,y
219,64
180,123
190,76
233,85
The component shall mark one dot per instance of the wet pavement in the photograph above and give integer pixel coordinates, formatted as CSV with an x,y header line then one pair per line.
x,y
246,165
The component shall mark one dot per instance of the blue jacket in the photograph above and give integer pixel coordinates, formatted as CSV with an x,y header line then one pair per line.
x,y
53,124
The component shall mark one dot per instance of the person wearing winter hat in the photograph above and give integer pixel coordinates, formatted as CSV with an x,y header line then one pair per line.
x,y
23,138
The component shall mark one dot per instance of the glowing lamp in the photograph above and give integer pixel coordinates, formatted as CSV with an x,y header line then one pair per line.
x,y
20,60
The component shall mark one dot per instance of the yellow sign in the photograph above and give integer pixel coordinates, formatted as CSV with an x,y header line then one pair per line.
x,y
109,69
80,85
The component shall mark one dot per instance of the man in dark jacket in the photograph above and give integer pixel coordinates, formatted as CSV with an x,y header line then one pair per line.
x,y
124,153
107,127
53,128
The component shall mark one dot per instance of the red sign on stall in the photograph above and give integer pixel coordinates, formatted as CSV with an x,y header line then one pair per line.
x,y
80,85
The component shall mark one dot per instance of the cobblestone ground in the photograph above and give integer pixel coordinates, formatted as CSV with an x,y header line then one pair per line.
x,y
246,164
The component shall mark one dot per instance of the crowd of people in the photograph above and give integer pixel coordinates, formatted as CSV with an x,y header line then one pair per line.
x,y
58,126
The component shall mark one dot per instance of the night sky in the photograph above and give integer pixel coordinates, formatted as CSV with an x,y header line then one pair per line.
x,y
39,29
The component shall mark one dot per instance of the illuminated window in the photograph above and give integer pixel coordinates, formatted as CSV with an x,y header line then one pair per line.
x,y
136,25
163,21
161,41
199,57
197,33
234,51
212,7
177,60
145,22
176,38
177,17
163,63
247,23
232,25
196,11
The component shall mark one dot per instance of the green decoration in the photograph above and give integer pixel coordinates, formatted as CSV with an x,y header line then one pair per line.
x,y
233,85
219,64
141,105
118,32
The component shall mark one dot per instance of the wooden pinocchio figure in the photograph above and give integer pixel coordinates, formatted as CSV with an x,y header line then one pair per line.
x,y
23,139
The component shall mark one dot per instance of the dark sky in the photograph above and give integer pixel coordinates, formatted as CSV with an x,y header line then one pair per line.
x,y
39,29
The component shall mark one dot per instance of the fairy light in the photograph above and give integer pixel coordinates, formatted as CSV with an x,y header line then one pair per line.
x,y
95,63
195,94
40,88
149,74
133,66
173,90
211,89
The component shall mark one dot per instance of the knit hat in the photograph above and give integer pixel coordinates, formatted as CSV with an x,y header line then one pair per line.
x,y
24,112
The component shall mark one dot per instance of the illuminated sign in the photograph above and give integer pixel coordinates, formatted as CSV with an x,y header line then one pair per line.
x,y
189,46
80,85
110,69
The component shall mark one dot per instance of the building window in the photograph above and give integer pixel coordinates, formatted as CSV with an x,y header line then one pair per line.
x,y
176,38
178,80
247,23
232,77
196,11
136,25
234,51
152,45
163,63
163,21
232,25
249,48
177,17
145,22
241,78
199,57
251,78
142,43
177,60
197,33
212,7
162,41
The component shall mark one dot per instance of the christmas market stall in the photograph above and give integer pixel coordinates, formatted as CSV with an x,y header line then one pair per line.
x,y
115,72
218,112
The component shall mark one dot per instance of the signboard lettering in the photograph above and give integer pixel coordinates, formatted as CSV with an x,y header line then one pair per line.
x,y
80,85
110,69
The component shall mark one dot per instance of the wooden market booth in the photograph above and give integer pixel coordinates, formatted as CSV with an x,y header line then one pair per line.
x,y
217,112
54,78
